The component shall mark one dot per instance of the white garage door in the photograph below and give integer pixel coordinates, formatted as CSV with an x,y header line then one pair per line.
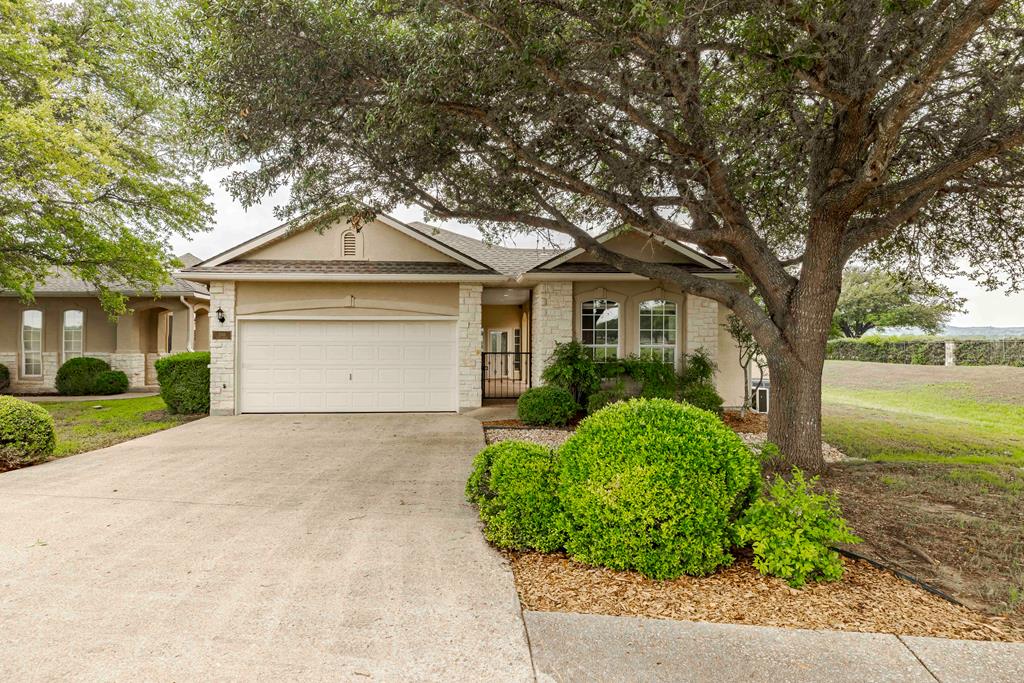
x,y
298,366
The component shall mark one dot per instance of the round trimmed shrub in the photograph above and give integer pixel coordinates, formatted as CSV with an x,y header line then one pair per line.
x,y
185,382
703,396
110,382
77,376
27,432
513,483
549,406
5,377
654,486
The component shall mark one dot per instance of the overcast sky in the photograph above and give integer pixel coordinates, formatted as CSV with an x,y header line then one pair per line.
x,y
233,224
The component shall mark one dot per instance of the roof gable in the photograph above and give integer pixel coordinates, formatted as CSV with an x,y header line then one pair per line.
x,y
640,245
384,239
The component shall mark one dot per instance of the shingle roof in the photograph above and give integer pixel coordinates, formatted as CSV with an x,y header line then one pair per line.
x,y
576,267
63,282
342,267
505,260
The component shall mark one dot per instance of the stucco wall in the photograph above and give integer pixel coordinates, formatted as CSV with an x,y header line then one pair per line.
x,y
379,243
345,299
100,332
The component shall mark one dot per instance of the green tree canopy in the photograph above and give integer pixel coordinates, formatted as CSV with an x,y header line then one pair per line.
x,y
90,179
873,298
789,137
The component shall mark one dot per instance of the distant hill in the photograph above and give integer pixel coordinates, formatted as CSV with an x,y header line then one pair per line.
x,y
956,332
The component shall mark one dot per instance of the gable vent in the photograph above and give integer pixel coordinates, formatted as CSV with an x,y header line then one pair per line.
x,y
350,245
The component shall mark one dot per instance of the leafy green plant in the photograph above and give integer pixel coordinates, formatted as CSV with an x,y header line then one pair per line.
x,y
703,396
572,368
5,377
549,405
110,382
513,483
77,376
27,432
185,382
697,382
655,378
791,531
655,486
602,398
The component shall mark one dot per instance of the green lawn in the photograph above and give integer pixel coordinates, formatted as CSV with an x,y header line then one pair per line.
x,y
88,425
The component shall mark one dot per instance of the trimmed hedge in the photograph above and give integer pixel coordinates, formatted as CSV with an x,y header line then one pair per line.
x,y
77,376
5,377
27,432
185,382
110,382
655,486
513,483
548,405
990,352
881,350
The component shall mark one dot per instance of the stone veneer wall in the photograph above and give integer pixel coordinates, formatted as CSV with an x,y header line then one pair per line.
x,y
702,326
470,340
222,351
552,322
131,364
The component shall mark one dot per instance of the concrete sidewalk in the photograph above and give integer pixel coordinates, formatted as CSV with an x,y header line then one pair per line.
x,y
56,398
588,647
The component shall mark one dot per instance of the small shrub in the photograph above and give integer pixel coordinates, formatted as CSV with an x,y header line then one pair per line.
x,y
185,382
514,482
27,432
77,376
703,396
655,378
5,377
572,368
791,530
655,486
698,368
604,397
110,382
550,406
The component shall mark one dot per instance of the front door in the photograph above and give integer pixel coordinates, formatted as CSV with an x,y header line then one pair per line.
x,y
497,344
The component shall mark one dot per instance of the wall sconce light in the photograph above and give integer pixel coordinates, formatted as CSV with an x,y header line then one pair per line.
x,y
220,314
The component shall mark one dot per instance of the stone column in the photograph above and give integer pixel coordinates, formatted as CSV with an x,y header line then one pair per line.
x,y
222,351
470,334
702,326
552,322
950,350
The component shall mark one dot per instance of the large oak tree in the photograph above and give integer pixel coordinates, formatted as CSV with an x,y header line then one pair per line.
x,y
788,136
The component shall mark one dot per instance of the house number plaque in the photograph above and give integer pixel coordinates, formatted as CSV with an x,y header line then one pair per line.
x,y
222,334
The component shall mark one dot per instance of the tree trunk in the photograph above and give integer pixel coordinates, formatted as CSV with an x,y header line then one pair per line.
x,y
794,416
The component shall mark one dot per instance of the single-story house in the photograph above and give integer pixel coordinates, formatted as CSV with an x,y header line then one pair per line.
x,y
394,316
66,321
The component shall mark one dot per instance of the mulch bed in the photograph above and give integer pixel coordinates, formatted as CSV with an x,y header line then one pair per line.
x,y
867,599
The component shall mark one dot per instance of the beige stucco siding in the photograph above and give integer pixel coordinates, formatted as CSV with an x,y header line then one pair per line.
x,y
639,246
730,375
378,242
100,332
345,299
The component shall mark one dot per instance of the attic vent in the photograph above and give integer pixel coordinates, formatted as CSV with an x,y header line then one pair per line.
x,y
351,245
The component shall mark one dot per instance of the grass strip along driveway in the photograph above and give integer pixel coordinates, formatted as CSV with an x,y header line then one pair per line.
x,y
941,493
88,425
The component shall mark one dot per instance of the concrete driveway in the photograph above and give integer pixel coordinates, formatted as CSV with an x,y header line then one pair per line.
x,y
258,548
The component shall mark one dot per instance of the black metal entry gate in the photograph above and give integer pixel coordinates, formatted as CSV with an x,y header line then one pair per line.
x,y
505,374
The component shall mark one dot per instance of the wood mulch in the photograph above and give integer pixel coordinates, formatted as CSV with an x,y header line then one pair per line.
x,y
868,599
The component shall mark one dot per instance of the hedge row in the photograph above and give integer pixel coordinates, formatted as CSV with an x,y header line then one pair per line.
x,y
879,350
928,351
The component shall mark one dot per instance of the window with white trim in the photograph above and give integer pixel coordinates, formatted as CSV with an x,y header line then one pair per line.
x,y
73,333
658,325
599,328
32,343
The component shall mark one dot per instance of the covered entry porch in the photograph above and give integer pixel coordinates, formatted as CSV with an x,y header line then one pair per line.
x,y
506,365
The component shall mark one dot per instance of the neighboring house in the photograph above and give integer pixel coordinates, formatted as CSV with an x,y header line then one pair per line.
x,y
66,321
408,317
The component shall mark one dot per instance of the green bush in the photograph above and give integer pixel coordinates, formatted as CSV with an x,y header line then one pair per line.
x,y
513,483
791,530
572,368
703,396
655,378
655,486
990,352
604,397
888,350
77,376
5,377
185,382
27,432
549,405
110,382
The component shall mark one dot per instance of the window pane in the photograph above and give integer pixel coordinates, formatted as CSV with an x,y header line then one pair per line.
x,y
658,323
32,342
599,328
73,323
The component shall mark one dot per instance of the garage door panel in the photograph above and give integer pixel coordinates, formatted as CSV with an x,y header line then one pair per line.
x,y
363,366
